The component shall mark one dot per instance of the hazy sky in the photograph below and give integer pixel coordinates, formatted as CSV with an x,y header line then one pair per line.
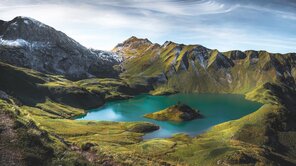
x,y
221,24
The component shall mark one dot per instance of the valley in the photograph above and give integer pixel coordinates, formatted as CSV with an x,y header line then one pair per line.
x,y
44,88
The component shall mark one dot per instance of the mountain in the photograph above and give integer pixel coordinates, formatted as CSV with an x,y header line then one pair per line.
x,y
37,108
170,66
29,43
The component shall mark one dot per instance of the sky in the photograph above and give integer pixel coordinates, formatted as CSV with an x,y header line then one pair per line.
x,y
217,24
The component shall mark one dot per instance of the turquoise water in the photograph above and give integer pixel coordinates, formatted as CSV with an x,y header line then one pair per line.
x,y
216,108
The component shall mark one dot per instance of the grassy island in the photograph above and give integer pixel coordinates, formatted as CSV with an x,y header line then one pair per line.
x,y
178,113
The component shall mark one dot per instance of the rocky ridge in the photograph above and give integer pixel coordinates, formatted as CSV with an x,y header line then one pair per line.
x,y
168,66
29,43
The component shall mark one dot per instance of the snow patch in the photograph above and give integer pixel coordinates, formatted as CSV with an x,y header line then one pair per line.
x,y
14,43
26,22
14,24
107,56
24,43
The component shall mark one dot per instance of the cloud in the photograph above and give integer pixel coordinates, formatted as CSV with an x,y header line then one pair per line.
x,y
284,13
88,24
103,24
225,39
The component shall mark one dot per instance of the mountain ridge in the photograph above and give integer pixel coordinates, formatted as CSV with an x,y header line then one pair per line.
x,y
135,38
38,46
205,70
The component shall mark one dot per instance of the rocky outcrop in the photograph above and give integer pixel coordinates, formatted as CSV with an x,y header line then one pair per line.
x,y
29,43
178,113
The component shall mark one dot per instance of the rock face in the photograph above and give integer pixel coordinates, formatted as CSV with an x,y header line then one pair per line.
x,y
29,43
169,66
178,113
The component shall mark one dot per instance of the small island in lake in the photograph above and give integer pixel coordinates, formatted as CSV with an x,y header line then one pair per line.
x,y
178,113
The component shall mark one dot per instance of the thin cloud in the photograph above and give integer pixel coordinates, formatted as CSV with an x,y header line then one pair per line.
x,y
103,24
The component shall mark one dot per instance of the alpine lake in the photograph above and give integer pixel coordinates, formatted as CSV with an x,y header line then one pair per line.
x,y
215,108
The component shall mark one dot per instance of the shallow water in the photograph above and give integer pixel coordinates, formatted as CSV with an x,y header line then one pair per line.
x,y
216,108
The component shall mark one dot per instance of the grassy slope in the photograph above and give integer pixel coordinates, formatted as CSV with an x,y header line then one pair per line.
x,y
26,143
264,137
44,138
47,100
166,68
259,138
32,88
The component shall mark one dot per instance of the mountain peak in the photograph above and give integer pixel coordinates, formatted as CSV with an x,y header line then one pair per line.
x,y
132,43
136,39
27,21
133,38
165,44
23,18
50,51
27,29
